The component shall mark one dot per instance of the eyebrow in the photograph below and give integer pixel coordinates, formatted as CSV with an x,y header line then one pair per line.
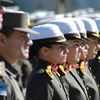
x,y
76,41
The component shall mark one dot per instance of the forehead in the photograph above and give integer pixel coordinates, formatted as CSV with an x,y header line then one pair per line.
x,y
75,41
19,33
55,45
94,39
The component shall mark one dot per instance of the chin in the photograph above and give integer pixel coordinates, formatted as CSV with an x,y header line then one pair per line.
x,y
25,57
0,27
63,61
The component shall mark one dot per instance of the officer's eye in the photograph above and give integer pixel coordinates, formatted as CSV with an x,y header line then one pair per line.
x,y
62,47
76,45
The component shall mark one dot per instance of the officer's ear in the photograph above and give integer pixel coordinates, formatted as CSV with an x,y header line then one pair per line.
x,y
44,51
2,39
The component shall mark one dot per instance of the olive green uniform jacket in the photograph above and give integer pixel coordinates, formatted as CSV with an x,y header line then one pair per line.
x,y
11,90
90,83
74,85
94,64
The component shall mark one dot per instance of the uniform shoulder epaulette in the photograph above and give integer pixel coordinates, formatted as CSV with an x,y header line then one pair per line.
x,y
61,68
2,68
67,67
48,72
82,68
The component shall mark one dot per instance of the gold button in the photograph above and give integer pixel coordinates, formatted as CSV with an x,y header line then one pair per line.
x,y
87,88
90,68
78,72
94,77
89,97
98,85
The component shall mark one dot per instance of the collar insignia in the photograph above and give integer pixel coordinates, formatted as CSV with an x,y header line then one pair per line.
x,y
61,68
48,72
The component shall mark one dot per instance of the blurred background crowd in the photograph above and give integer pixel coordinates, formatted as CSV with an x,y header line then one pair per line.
x,y
40,9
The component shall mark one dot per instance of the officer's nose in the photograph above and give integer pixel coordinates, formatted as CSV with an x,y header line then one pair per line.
x,y
30,42
98,46
80,49
87,46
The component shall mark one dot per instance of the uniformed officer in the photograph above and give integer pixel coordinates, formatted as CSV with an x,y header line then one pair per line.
x,y
14,45
92,33
2,66
50,49
84,49
23,68
94,63
69,77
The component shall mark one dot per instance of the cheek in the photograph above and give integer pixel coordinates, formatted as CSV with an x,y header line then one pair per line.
x,y
92,48
91,51
71,53
84,50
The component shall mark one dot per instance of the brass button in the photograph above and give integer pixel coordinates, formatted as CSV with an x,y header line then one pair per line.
x,y
89,97
87,88
78,72
90,68
94,77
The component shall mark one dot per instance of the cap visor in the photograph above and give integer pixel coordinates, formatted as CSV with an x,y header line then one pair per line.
x,y
65,42
28,30
83,39
94,37
9,1
87,39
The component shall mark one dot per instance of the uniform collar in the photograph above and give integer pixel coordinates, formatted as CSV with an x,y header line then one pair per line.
x,y
9,69
67,67
44,64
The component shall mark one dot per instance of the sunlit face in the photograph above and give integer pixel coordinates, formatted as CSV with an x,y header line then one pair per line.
x,y
57,54
93,48
74,52
17,46
1,15
84,50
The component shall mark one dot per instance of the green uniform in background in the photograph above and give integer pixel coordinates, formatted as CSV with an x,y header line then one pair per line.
x,y
11,90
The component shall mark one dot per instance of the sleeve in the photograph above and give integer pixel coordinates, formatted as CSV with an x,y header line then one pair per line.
x,y
39,89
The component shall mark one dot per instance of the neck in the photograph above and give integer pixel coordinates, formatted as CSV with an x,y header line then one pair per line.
x,y
9,59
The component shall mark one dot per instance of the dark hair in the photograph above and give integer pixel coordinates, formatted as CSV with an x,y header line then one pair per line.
x,y
34,49
6,31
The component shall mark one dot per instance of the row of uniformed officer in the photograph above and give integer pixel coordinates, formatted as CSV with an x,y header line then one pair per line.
x,y
75,77
95,62
88,79
71,81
